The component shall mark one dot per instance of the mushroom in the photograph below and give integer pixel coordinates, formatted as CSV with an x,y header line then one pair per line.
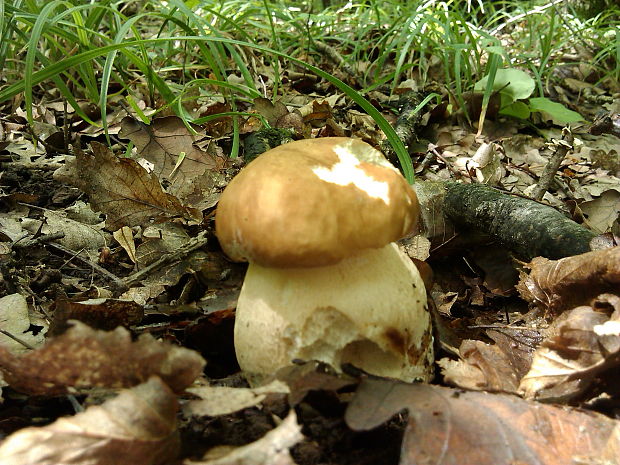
x,y
317,220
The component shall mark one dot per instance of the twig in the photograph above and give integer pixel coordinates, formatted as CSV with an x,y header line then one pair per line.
x,y
16,339
187,248
118,285
22,244
562,147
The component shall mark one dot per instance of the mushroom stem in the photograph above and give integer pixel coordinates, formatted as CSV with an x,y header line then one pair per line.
x,y
368,310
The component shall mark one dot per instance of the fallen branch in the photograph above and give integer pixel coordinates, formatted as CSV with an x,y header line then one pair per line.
x,y
526,227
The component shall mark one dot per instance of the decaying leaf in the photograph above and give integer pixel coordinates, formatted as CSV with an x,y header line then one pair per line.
x,y
493,367
271,449
452,427
169,145
77,235
603,211
582,345
222,400
557,285
14,319
83,357
100,313
122,189
136,427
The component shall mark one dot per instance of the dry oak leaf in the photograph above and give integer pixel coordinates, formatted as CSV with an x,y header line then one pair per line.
x,y
455,427
122,189
582,345
557,285
495,367
169,145
84,358
136,427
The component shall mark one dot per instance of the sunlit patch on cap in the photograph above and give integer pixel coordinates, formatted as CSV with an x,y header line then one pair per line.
x,y
347,171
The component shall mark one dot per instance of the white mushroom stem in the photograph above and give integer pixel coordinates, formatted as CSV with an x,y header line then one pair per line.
x,y
368,310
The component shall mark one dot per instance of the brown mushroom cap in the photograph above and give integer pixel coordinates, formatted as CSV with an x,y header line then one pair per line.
x,y
314,202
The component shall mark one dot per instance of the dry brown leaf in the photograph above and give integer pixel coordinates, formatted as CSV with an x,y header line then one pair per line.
x,y
271,449
321,112
122,189
557,285
15,320
483,367
136,427
497,367
218,127
311,376
222,400
99,313
83,357
581,345
124,236
270,111
452,427
163,144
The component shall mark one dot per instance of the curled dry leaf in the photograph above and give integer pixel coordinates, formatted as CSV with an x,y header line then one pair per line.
x,y
83,357
497,367
452,427
136,427
122,189
557,285
271,449
582,345
483,367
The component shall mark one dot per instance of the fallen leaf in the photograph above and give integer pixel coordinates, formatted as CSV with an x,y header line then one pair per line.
x,y
270,111
453,427
77,235
100,313
271,449
122,189
169,145
495,367
222,400
136,427
582,345
603,211
124,237
312,376
83,358
15,320
556,285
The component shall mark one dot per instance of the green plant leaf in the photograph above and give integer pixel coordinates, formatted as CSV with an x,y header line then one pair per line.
x,y
516,110
512,83
557,112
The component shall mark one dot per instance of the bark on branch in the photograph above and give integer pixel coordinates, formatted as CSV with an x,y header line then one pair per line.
x,y
526,227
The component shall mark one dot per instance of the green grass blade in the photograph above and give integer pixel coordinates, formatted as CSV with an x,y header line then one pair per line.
x,y
88,55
